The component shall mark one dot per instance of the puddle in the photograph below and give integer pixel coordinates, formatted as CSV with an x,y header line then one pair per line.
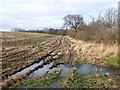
x,y
26,69
81,68
31,67
40,71
85,68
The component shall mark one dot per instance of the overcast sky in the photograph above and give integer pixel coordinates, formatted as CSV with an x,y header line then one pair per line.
x,y
37,14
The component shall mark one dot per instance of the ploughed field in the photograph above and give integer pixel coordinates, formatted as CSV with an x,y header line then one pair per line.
x,y
43,60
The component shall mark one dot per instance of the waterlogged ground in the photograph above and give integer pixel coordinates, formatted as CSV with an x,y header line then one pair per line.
x,y
40,61
73,80
90,80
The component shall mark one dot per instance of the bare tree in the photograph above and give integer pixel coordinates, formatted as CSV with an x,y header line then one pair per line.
x,y
73,21
99,23
111,17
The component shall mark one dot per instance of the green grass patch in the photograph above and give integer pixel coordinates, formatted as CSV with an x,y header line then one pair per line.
x,y
113,62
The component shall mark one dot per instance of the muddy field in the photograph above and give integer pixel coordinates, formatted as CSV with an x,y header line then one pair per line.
x,y
15,36
32,55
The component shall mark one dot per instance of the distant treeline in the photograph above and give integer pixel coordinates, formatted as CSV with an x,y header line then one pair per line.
x,y
85,33
103,29
47,30
51,31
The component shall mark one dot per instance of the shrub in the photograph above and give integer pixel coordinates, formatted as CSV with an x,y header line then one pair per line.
x,y
98,36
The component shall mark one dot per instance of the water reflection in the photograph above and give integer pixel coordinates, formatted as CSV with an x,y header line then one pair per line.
x,y
26,69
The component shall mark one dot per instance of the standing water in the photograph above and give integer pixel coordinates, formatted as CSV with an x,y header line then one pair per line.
x,y
84,68
26,69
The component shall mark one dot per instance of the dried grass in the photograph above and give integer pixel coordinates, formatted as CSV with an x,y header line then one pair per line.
x,y
101,49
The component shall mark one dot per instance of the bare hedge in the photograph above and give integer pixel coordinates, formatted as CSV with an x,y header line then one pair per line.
x,y
98,36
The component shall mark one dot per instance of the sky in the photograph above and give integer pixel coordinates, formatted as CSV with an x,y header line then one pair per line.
x,y
39,14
